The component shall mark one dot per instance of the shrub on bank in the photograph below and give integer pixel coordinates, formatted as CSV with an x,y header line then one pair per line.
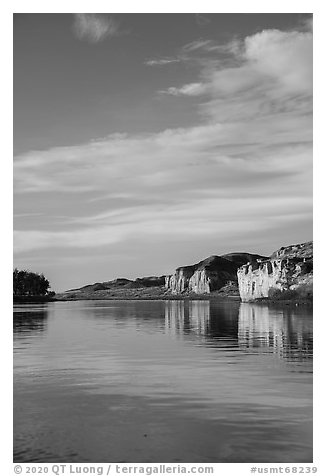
x,y
304,292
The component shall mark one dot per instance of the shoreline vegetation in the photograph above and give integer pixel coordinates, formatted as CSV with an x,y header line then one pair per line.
x,y
30,287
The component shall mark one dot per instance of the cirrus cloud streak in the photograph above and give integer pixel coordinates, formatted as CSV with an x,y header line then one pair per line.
x,y
94,28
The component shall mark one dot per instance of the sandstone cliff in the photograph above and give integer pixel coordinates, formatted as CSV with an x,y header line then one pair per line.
x,y
288,269
208,275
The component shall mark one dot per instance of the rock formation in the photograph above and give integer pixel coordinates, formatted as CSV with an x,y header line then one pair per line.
x,y
253,276
288,269
208,275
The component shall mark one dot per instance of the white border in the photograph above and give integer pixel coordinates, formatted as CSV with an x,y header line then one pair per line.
x,y
204,6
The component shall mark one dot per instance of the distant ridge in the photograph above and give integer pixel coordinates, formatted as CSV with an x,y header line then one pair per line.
x,y
215,276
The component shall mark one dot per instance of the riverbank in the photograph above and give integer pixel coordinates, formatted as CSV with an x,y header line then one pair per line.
x,y
146,295
172,297
166,297
160,293
32,299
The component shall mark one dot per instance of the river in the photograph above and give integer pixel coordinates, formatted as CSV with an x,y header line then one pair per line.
x,y
162,381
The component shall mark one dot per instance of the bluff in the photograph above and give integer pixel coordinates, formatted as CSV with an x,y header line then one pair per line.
x,y
209,275
288,272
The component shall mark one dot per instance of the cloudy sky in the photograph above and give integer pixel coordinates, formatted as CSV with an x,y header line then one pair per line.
x,y
148,141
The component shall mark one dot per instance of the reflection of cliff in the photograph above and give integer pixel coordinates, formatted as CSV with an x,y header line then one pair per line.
x,y
175,317
211,320
28,321
199,316
286,332
183,319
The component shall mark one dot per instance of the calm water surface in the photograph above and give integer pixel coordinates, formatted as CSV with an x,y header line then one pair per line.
x,y
162,381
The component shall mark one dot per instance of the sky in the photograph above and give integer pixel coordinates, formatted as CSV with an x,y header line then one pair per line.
x,y
143,142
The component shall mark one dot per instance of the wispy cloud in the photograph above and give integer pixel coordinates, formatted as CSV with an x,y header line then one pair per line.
x,y
196,219
265,73
201,19
246,167
199,52
204,181
199,45
210,46
192,89
162,61
93,27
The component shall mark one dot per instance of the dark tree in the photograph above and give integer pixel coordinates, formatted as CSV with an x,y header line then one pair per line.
x,y
26,283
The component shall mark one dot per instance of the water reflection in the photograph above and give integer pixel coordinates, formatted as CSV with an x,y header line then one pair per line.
x,y
123,313
175,317
187,317
285,332
199,316
32,320
168,381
